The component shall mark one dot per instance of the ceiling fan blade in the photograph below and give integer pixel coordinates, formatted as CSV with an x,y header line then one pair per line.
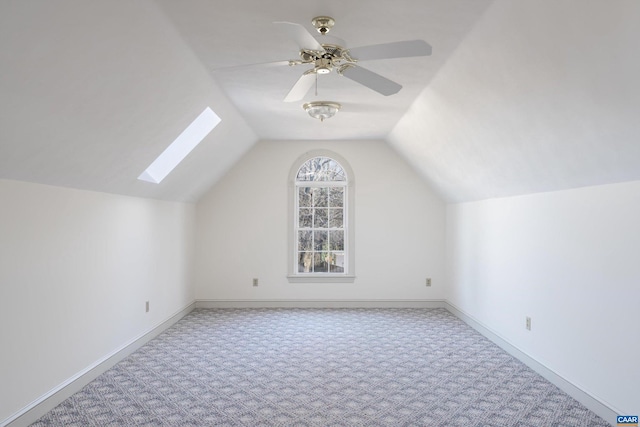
x,y
300,35
300,89
372,80
402,49
262,64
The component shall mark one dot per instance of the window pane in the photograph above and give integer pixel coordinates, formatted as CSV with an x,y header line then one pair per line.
x,y
334,171
320,219
305,218
305,240
306,171
320,197
337,264
319,262
336,218
304,197
321,169
320,241
305,264
336,239
336,197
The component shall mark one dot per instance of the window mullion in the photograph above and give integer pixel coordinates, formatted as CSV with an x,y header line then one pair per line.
x,y
313,236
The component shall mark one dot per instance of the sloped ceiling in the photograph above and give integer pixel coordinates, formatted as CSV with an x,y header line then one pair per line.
x,y
541,96
518,97
227,33
93,91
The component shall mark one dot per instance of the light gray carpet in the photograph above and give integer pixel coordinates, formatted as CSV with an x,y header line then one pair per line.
x,y
320,367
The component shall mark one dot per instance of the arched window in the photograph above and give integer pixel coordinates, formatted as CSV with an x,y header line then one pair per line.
x,y
322,241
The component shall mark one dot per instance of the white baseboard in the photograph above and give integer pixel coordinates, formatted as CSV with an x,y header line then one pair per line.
x,y
601,409
50,400
210,303
54,397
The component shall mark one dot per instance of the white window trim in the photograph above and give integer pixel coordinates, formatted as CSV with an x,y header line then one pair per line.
x,y
349,275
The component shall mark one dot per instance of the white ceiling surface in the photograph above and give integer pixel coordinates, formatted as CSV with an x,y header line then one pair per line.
x,y
518,97
540,96
226,33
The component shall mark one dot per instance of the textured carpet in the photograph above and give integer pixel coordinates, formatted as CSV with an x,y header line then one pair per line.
x,y
320,367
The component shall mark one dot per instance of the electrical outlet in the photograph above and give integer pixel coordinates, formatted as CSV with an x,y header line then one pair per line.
x,y
255,282
528,324
146,306
429,281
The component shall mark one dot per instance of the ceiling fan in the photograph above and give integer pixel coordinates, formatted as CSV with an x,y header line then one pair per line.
x,y
328,54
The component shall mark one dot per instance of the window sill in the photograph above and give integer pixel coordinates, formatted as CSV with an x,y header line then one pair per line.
x,y
321,278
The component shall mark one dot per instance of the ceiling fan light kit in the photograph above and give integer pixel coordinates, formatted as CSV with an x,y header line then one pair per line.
x,y
321,110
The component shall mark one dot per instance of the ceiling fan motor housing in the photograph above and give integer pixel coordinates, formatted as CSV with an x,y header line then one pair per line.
x,y
325,61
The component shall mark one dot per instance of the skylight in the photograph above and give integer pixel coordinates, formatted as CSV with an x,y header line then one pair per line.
x,y
183,144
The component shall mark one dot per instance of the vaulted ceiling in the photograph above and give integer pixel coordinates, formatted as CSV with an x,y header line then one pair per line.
x,y
517,97
540,96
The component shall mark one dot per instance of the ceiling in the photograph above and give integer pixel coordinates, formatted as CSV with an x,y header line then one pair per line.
x,y
541,96
238,32
517,97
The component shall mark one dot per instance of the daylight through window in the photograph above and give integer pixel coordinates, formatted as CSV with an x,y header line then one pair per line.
x,y
320,224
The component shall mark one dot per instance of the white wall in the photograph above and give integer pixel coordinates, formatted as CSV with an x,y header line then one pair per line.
x,y
570,261
242,226
76,268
